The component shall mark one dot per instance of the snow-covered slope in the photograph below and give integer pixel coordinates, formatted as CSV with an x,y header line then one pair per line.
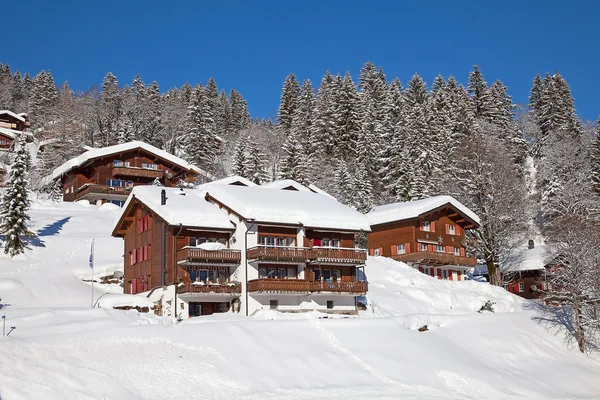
x,y
61,349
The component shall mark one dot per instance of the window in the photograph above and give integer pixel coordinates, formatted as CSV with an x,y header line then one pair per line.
x,y
521,287
272,272
330,304
262,240
117,163
456,251
262,272
451,230
423,247
335,242
426,271
336,274
149,166
281,241
193,275
327,275
318,275
203,275
376,252
444,274
195,241
273,304
327,242
426,226
281,273
401,249
291,273
116,183
439,248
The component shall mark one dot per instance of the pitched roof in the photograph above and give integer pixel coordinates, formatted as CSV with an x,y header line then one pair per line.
x,y
184,206
414,209
276,206
232,180
119,148
286,183
12,114
9,133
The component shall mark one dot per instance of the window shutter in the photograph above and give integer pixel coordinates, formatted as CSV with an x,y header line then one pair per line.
x,y
439,273
432,271
381,251
449,274
449,249
422,225
457,230
407,248
421,269
371,252
430,247
462,252
133,257
133,286
394,250
145,252
432,226
447,228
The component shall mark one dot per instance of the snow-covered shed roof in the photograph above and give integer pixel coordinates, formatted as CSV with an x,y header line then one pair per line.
x,y
186,207
414,209
233,180
285,184
119,148
20,117
288,207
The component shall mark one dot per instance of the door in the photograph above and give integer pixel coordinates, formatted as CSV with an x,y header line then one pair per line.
x,y
195,309
208,308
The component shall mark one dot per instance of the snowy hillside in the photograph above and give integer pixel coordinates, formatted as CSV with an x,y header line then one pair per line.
x,y
62,349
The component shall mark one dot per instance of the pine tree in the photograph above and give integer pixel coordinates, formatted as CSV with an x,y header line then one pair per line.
x,y
480,93
535,93
111,109
240,118
14,217
293,162
43,99
257,164
240,157
596,159
502,109
288,103
347,118
200,141
324,127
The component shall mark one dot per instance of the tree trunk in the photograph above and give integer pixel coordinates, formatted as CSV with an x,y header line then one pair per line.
x,y
493,272
579,332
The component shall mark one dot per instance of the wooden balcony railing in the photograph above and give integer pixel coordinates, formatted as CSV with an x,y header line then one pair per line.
x,y
229,288
279,286
432,257
306,287
193,255
90,188
338,255
339,287
137,172
279,253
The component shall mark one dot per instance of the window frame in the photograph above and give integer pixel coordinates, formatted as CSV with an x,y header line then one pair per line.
x,y
401,248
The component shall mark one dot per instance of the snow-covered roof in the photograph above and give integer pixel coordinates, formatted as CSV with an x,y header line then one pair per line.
x,y
9,133
288,207
532,259
12,114
186,207
119,148
315,189
285,183
231,180
414,209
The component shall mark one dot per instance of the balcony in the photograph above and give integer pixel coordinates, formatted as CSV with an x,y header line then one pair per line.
x,y
430,257
299,286
216,289
136,172
333,255
196,256
279,254
91,191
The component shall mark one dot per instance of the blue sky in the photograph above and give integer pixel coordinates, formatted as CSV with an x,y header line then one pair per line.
x,y
253,45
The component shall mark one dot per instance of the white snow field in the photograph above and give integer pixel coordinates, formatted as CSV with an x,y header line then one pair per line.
x,y
63,349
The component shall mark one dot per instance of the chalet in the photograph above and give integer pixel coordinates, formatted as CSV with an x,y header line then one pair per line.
x,y
527,277
190,247
15,122
427,234
108,174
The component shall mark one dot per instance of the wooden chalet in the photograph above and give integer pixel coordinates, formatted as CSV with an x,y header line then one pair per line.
x,y
13,121
175,238
300,246
108,174
527,279
427,234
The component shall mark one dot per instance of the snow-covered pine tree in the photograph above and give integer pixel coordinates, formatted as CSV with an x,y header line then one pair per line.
x,y
257,164
293,164
14,209
535,92
596,159
151,124
240,157
240,118
111,109
56,191
324,127
347,118
288,103
5,86
128,118
501,111
43,99
200,141
480,93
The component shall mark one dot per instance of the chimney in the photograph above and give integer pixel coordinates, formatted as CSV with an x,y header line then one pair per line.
x,y
163,197
531,244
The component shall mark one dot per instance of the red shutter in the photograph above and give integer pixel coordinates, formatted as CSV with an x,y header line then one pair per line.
x,y
133,286
394,250
462,252
139,254
133,257
145,252
430,247
381,251
317,242
371,251
407,248
432,226
422,225
450,274
432,272
147,222
447,228
420,269
449,249
439,273
457,230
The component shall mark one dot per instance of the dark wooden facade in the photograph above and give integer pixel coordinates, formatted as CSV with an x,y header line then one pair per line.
x,y
6,141
11,122
111,177
435,242
143,230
